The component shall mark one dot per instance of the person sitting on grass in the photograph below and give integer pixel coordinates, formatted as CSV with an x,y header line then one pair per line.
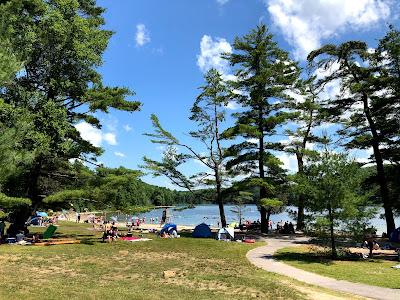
x,y
107,231
114,231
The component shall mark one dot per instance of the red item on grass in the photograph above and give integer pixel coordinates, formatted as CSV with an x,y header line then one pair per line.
x,y
129,238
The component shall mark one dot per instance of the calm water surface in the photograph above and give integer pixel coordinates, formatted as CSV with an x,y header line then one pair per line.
x,y
209,214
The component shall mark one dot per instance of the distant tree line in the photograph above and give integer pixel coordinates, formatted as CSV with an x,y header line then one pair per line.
x,y
115,189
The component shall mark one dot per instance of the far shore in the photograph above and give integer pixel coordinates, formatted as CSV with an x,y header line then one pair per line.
x,y
71,217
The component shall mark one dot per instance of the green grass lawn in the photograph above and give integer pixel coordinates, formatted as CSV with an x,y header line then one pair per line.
x,y
206,269
373,272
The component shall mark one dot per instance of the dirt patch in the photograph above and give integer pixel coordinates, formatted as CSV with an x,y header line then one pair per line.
x,y
215,286
54,270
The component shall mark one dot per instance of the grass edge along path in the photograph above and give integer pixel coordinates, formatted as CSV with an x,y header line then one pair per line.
x,y
375,272
263,258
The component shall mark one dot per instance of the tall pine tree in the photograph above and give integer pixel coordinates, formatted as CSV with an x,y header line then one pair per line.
x,y
263,73
362,107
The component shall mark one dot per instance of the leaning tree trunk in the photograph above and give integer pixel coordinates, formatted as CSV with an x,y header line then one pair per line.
x,y
300,164
217,173
390,224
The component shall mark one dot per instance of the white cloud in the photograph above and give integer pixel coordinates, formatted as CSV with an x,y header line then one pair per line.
x,y
110,138
233,105
253,140
90,133
222,2
305,23
120,154
127,127
110,122
210,54
297,97
142,35
289,162
94,135
332,89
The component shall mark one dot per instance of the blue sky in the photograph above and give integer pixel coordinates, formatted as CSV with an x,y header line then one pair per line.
x,y
160,50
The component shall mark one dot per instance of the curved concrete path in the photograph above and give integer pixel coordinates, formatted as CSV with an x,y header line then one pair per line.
x,y
262,258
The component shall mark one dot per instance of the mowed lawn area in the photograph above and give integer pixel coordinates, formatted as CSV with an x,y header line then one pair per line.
x,y
376,272
206,269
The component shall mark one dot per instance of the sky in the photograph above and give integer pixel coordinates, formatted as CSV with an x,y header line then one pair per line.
x,y
161,50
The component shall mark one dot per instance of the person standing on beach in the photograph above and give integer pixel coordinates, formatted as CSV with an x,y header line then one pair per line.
x,y
270,224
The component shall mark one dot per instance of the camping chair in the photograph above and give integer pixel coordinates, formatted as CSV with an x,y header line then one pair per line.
x,y
48,234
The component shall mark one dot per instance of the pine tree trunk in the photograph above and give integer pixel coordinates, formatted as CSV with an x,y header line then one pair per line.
x,y
300,209
22,214
220,203
390,225
263,191
332,233
217,169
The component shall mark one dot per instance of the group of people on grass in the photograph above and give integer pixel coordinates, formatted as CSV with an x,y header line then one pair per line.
x,y
285,228
110,233
15,234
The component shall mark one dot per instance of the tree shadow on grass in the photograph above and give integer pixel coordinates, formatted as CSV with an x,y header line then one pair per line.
x,y
66,235
304,258
90,242
322,257
86,239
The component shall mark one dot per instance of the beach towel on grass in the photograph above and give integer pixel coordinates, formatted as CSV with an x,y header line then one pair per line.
x,y
137,240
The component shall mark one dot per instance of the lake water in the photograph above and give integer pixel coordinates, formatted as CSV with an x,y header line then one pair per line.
x,y
209,214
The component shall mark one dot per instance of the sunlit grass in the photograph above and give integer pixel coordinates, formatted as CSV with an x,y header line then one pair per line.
x,y
205,268
376,272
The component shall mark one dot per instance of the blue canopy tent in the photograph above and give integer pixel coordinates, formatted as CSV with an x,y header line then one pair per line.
x,y
202,231
41,214
395,236
34,220
168,228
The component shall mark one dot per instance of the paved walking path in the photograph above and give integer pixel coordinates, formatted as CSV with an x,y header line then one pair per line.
x,y
262,258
